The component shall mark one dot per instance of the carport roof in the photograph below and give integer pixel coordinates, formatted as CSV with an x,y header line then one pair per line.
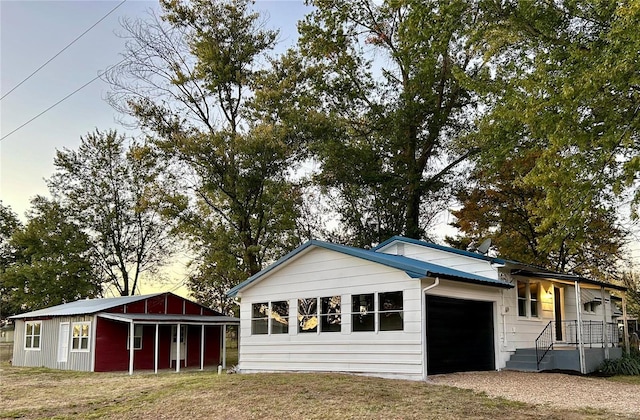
x,y
412,267
171,319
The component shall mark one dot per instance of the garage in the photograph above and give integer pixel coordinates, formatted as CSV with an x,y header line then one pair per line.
x,y
459,335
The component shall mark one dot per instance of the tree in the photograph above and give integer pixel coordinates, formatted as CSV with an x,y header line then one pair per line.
x,y
113,190
569,87
187,79
9,223
394,85
51,262
499,205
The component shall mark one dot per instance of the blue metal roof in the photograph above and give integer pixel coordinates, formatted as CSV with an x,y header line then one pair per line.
x,y
414,268
85,306
438,247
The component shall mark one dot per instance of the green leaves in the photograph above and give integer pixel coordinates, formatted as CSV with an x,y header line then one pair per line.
x,y
52,261
114,190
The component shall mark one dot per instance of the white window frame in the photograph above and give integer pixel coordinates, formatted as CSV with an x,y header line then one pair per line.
x,y
528,300
137,336
376,312
81,338
32,335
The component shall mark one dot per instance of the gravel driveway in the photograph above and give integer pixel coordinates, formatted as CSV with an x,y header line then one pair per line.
x,y
550,389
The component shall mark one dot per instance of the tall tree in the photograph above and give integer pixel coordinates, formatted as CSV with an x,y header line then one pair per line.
x,y
51,261
498,204
569,87
396,82
112,187
188,80
9,223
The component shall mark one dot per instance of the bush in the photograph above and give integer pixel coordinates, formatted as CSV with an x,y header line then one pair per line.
x,y
628,364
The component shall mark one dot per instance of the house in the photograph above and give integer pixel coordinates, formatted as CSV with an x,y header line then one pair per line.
x,y
122,333
409,308
6,332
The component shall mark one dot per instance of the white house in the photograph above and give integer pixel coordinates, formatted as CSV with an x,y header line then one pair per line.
x,y
410,309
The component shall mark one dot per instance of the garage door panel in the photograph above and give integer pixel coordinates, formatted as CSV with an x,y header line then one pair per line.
x,y
459,335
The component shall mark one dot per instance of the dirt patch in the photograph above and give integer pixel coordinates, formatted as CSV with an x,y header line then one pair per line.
x,y
550,389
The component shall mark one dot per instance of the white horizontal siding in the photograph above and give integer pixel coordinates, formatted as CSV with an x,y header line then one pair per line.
x,y
322,273
446,259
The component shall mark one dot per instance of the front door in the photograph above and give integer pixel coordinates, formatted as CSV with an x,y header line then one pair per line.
x,y
183,346
63,342
557,304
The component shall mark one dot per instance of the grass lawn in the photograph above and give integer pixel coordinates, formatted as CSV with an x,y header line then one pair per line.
x,y
44,393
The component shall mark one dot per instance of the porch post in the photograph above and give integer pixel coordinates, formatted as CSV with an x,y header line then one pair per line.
x,y
583,367
178,348
624,322
155,351
605,342
224,346
131,349
202,347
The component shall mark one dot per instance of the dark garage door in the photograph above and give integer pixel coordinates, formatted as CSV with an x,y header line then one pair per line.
x,y
459,335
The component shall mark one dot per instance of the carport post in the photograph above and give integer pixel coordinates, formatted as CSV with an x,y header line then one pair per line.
x,y
178,348
224,346
155,352
202,347
131,349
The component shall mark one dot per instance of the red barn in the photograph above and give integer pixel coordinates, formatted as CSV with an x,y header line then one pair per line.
x,y
157,331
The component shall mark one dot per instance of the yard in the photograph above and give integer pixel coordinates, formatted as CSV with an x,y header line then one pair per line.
x,y
43,393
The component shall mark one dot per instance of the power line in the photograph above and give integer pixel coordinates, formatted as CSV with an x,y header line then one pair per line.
x,y
56,104
62,50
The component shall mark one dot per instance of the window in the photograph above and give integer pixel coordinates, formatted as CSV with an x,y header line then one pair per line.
x,y
32,335
80,336
528,298
390,311
591,306
259,318
279,317
362,313
330,318
137,337
308,315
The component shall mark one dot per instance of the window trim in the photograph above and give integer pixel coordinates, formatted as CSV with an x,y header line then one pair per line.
x,y
136,328
528,301
81,337
26,336
271,318
265,316
314,330
323,317
376,313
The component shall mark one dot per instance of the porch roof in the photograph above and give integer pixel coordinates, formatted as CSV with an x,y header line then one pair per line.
x,y
568,277
171,319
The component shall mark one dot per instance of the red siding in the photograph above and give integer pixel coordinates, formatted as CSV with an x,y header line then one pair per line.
x,y
174,304
112,353
155,305
136,307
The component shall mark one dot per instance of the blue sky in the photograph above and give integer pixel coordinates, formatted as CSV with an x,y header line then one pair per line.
x,y
31,32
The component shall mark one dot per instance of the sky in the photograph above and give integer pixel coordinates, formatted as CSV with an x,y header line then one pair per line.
x,y
31,32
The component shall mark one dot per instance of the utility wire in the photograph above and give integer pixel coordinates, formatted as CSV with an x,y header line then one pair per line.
x,y
62,50
57,103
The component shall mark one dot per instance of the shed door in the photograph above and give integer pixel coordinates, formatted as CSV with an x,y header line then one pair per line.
x,y
459,335
63,342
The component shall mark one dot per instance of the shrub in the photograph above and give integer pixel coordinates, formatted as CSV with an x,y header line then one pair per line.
x,y
628,364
